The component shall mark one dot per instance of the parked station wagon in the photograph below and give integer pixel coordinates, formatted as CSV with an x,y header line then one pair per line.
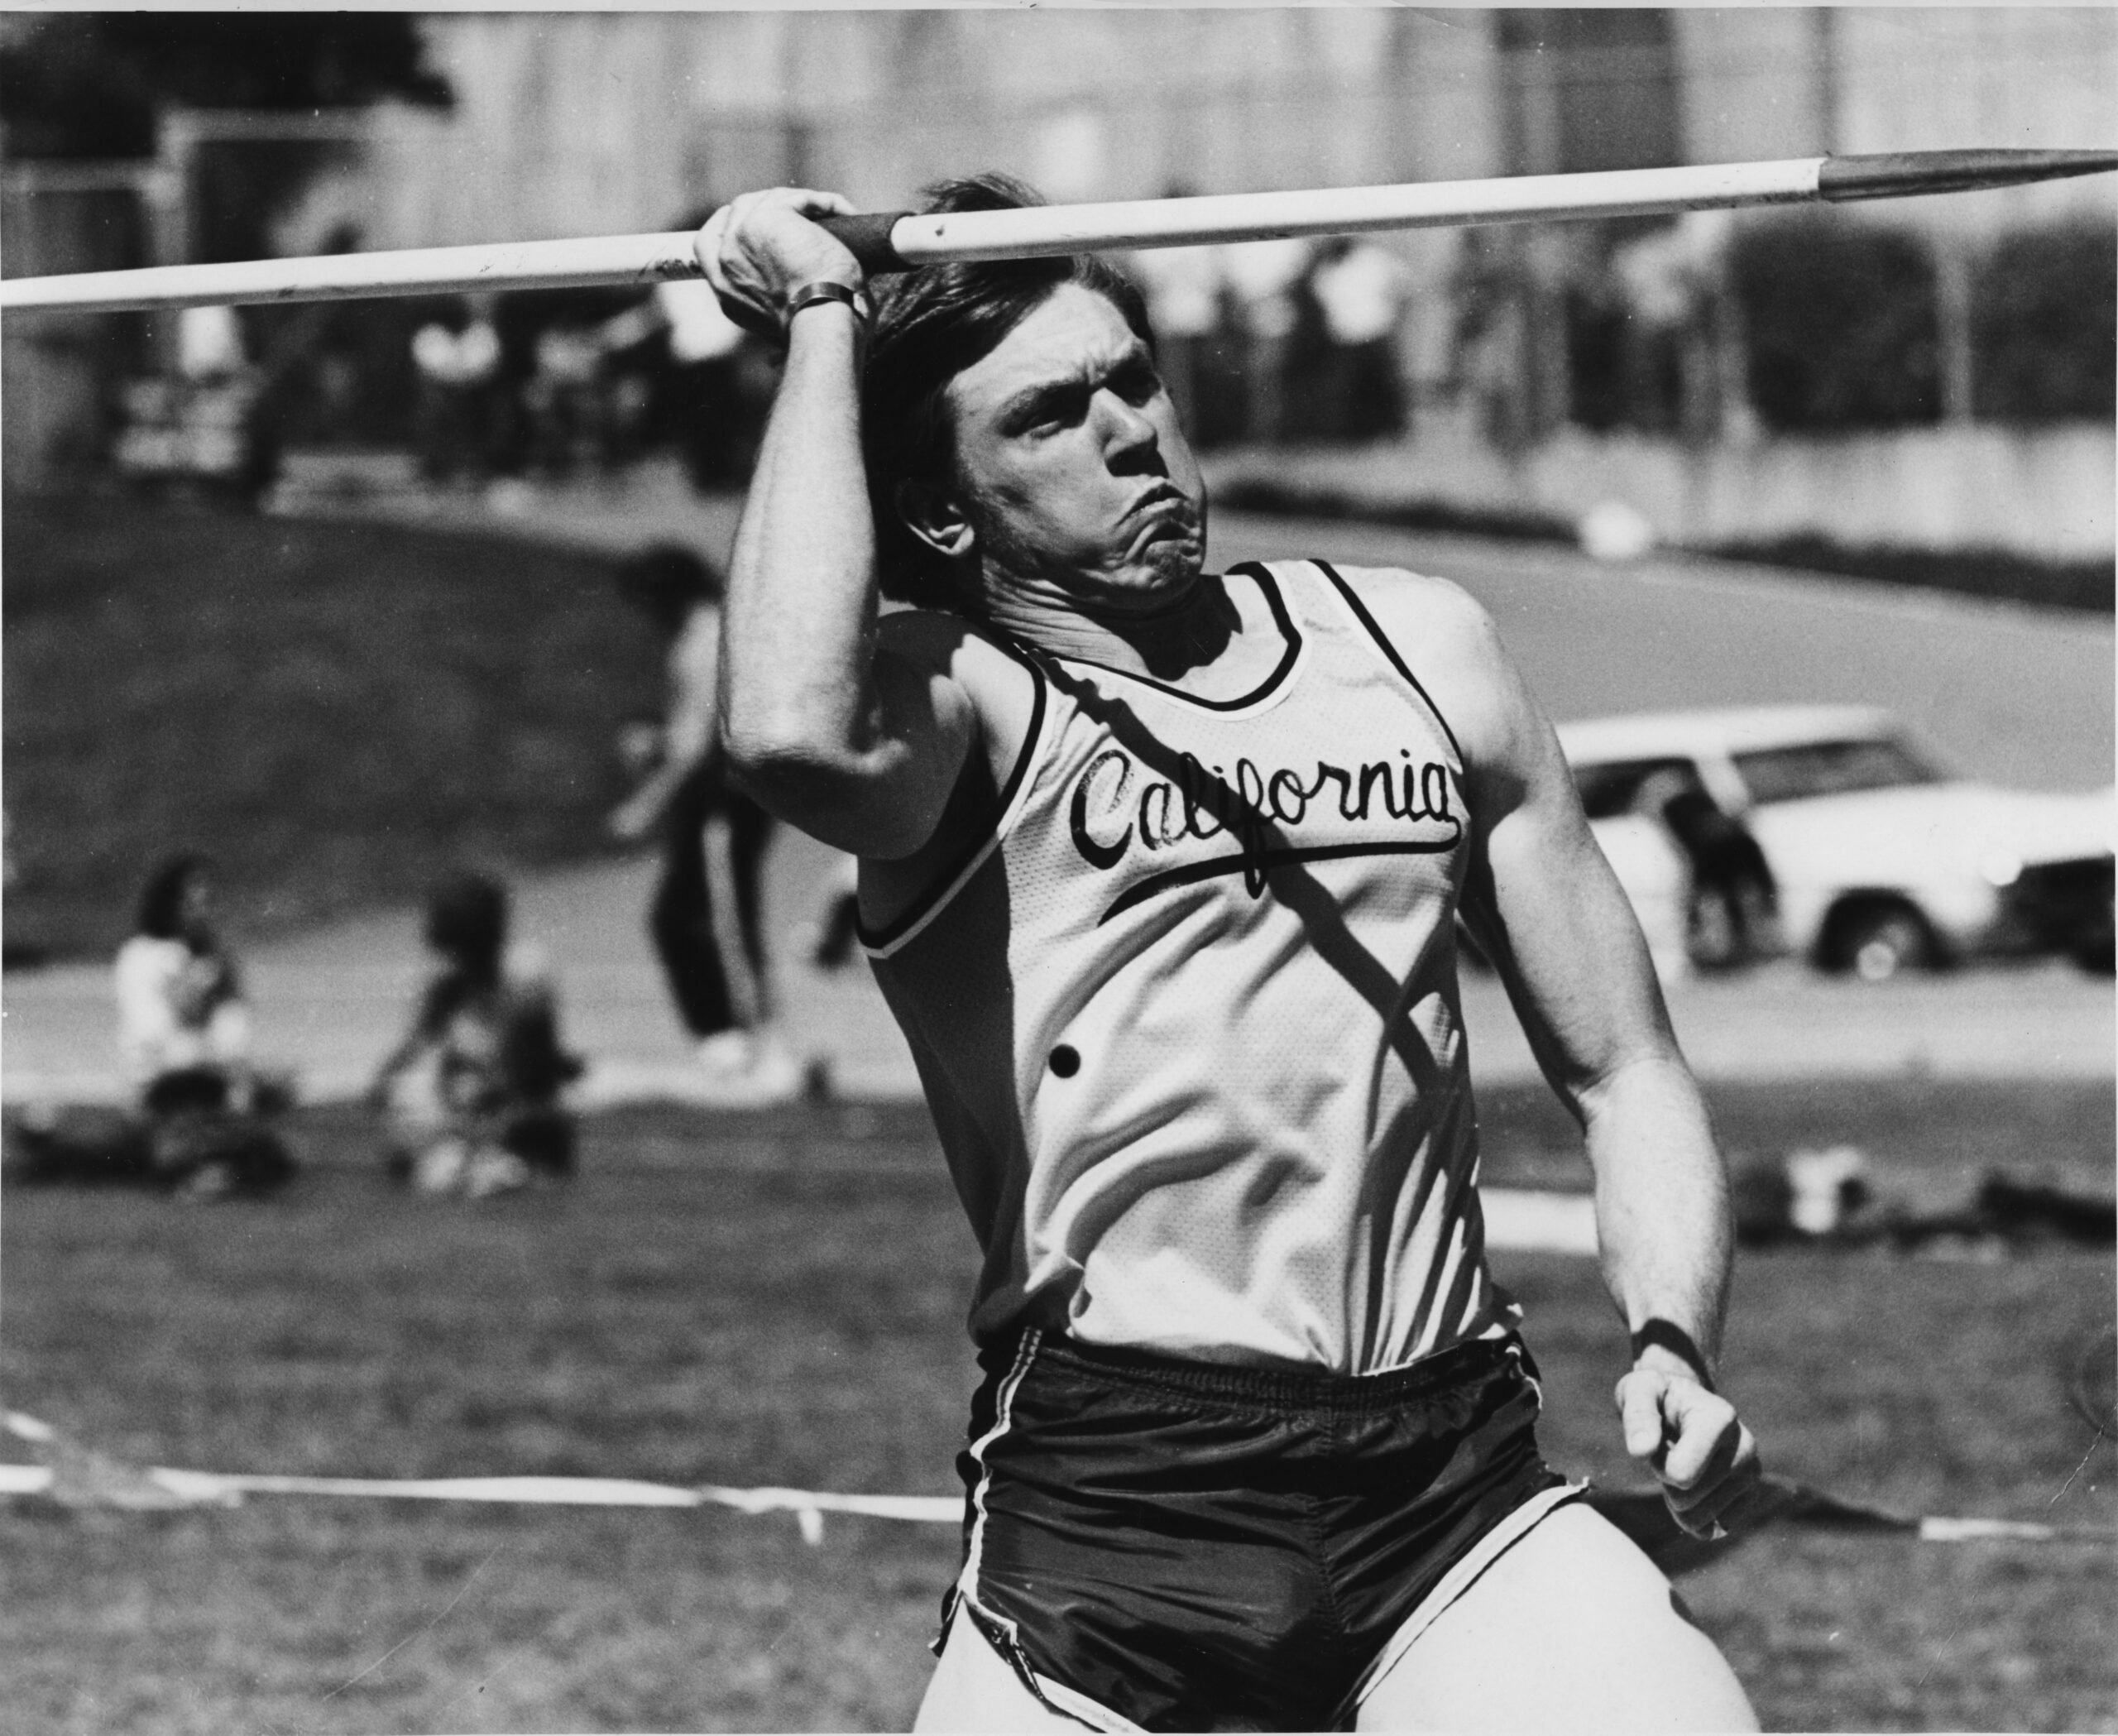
x,y
1883,860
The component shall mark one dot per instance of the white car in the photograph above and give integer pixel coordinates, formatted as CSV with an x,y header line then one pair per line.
x,y
1880,860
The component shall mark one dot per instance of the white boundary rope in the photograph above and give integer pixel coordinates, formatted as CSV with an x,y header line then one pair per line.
x,y
200,1488
165,1486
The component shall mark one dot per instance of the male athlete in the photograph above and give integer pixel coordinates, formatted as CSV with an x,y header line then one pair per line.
x,y
1160,871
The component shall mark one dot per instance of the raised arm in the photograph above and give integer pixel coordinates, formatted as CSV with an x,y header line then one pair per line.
x,y
691,734
858,745
419,1036
1544,903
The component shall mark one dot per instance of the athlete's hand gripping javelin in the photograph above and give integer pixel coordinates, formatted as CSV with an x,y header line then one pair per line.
x,y
1690,1436
759,248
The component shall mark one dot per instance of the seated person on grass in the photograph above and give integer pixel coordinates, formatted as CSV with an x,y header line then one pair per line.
x,y
474,1090
184,1034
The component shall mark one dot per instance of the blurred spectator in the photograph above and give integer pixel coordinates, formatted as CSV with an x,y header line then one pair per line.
x,y
710,832
204,424
458,358
1427,328
1734,897
184,1034
210,345
1360,292
834,938
474,1090
710,390
1491,291
180,1006
712,402
199,1123
1183,288
564,402
1263,276
1672,279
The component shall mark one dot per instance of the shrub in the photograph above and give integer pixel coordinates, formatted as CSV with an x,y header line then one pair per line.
x,y
2044,305
1841,323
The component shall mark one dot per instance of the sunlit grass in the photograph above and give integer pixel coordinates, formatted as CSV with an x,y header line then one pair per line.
x,y
779,1299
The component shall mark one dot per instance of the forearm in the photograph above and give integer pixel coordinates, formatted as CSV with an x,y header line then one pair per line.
x,y
1662,1217
648,804
799,624
1662,1207
859,747
409,1048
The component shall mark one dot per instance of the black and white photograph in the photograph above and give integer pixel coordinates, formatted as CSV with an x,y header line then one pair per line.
x,y
1007,867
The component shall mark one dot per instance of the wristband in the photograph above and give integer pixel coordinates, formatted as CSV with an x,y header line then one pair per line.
x,y
1665,1335
829,290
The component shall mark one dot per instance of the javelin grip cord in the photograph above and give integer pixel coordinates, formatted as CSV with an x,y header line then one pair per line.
x,y
867,235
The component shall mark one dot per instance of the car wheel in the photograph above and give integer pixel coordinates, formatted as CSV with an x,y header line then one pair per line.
x,y
1878,942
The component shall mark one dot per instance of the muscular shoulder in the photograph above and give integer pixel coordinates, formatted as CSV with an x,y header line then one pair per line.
x,y
1453,648
1419,605
999,687
946,644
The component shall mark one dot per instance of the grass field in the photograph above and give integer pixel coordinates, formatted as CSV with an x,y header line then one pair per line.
x,y
778,1299
337,711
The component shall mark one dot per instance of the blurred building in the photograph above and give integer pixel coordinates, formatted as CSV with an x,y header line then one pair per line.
x,y
1512,339
571,123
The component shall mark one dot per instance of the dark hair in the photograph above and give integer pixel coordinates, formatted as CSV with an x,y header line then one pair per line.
x,y
466,918
161,899
669,580
931,324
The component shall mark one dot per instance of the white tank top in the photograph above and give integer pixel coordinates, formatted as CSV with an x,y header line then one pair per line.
x,y
1189,1022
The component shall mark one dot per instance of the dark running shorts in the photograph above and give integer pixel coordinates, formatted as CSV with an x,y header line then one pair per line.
x,y
1165,1545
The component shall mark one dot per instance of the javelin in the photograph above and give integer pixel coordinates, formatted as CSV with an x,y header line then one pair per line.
x,y
899,240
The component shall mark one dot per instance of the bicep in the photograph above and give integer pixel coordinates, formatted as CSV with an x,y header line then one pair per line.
x,y
1543,901
1568,946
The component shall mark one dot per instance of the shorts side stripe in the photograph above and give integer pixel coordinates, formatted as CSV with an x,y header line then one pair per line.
x,y
1064,1699
1057,1695
1003,1403
1536,1386
1453,1584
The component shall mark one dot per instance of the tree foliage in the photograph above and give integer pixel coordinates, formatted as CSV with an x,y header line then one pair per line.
x,y
2042,325
1842,321
93,84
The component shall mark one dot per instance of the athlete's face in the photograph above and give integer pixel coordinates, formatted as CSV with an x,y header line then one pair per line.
x,y
1074,480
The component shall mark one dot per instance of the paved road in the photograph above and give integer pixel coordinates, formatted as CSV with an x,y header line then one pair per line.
x,y
2010,693
331,1003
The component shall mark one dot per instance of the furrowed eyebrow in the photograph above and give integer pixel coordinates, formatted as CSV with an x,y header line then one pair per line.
x,y
1035,396
1032,399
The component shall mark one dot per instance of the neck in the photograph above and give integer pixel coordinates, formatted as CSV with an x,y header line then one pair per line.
x,y
1167,639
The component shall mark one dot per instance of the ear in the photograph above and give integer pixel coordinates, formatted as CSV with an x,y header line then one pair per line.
x,y
933,514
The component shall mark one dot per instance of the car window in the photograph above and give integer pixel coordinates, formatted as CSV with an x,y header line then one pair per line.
x,y
1613,788
1831,769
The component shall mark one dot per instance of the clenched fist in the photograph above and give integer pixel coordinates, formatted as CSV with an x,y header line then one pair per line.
x,y
758,250
1692,1439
